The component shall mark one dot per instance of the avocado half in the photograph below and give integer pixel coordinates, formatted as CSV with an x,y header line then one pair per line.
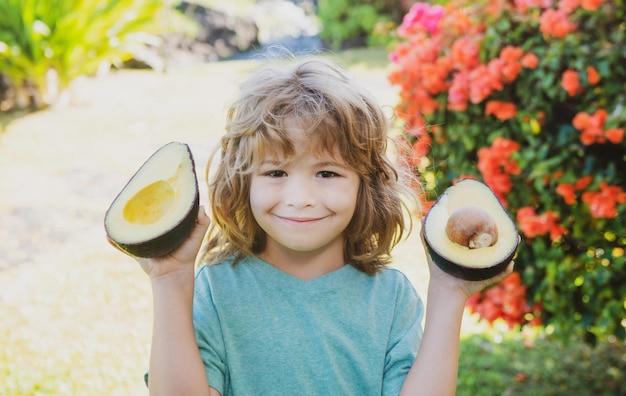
x,y
468,232
157,209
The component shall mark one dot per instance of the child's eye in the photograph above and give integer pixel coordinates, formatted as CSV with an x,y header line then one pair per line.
x,y
327,174
276,173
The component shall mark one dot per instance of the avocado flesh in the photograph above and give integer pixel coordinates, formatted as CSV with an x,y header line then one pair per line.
x,y
463,261
157,208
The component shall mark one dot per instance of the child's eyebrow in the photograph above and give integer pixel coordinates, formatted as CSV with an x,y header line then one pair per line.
x,y
331,163
321,164
271,163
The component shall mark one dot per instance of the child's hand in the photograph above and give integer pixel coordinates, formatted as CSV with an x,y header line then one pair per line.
x,y
468,288
184,257
441,279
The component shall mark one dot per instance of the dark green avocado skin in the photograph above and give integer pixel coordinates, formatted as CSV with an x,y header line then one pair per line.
x,y
166,243
469,273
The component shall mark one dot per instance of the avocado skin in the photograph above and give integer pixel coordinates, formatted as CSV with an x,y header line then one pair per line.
x,y
467,273
166,243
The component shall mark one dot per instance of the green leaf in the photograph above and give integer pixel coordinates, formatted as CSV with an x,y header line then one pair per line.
x,y
71,36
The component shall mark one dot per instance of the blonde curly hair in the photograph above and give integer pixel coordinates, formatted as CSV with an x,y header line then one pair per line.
x,y
339,117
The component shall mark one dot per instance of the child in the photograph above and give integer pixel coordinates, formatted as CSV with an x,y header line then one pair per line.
x,y
295,297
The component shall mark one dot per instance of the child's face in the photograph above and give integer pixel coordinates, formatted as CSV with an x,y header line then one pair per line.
x,y
305,203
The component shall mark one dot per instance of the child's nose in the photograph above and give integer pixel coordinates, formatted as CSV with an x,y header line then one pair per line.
x,y
301,192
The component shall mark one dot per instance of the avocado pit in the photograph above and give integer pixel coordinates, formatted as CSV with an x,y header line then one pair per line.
x,y
472,227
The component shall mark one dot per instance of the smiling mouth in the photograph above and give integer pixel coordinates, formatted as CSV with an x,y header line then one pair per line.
x,y
300,220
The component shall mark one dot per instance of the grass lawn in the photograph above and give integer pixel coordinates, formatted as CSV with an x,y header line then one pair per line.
x,y
75,314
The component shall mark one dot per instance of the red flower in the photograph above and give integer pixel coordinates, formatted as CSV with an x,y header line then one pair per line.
x,y
426,205
614,135
555,23
501,110
496,166
592,128
555,229
530,61
583,182
421,147
581,120
459,22
511,57
523,5
591,5
529,223
482,82
458,94
427,104
603,203
434,77
505,147
511,54
506,300
534,225
590,136
525,211
466,53
496,7
598,118
421,16
592,75
496,68
571,82
567,191
568,6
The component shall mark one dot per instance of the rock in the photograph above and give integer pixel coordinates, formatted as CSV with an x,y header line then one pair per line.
x,y
227,34
219,36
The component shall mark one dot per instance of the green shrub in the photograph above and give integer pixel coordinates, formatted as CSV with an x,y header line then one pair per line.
x,y
515,366
45,44
348,23
529,96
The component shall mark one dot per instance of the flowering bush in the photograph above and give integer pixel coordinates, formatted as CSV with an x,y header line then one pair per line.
x,y
529,96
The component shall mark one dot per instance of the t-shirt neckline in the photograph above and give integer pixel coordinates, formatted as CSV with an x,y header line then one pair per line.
x,y
335,277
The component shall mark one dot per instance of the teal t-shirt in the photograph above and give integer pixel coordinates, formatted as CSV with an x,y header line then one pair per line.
x,y
261,331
